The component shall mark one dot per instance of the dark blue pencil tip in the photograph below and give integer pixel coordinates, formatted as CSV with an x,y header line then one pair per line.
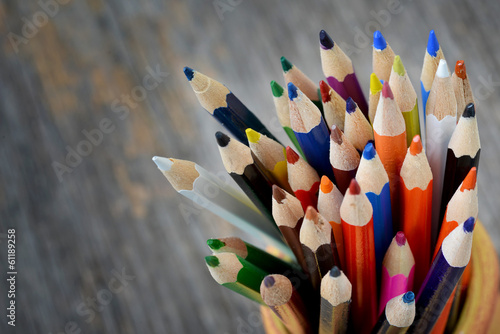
x,y
469,225
325,40
432,44
469,111
350,105
369,151
222,139
188,71
335,271
409,297
292,91
269,281
379,42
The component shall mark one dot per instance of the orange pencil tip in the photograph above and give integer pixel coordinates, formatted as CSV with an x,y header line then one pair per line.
x,y
291,156
325,91
460,70
469,182
326,185
416,145
354,188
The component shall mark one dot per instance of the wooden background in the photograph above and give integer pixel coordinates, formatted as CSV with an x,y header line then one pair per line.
x,y
114,210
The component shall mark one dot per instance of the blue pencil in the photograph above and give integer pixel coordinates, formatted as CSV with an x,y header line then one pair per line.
x,y
374,182
310,130
443,277
433,54
221,103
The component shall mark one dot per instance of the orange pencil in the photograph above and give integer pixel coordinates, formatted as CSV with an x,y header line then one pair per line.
x,y
357,227
303,179
416,207
329,201
390,141
461,87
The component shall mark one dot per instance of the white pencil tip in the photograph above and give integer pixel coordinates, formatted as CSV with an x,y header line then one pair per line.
x,y
163,164
442,70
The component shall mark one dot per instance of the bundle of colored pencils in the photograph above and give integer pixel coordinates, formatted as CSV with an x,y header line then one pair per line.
x,y
368,226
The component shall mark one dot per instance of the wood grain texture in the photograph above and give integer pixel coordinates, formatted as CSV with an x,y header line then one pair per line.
x,y
115,210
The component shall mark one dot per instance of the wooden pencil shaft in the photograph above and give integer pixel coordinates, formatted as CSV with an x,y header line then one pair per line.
x,y
333,319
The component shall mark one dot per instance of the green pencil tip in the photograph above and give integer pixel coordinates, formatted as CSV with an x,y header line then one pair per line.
x,y
215,244
212,261
398,67
285,64
277,89
375,84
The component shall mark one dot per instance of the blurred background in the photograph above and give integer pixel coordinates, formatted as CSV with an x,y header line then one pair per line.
x,y
104,243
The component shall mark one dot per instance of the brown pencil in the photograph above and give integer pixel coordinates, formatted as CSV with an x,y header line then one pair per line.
x,y
344,159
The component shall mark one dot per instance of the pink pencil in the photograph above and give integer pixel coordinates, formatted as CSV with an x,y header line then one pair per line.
x,y
398,269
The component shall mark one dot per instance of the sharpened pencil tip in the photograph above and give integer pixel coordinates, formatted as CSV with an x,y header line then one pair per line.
x,y
460,70
469,182
291,156
398,67
416,145
222,139
379,41
442,70
269,281
354,188
400,238
292,91
212,261
335,271
469,225
325,91
311,214
386,91
252,135
276,89
278,194
326,185
215,244
189,73
163,163
350,105
469,111
408,297
336,135
325,40
432,44
375,84
369,151
285,64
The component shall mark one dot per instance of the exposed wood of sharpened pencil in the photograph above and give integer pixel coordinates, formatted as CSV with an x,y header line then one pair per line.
x,y
433,54
336,292
382,56
416,207
303,179
333,106
357,129
344,159
461,86
398,315
293,74
222,104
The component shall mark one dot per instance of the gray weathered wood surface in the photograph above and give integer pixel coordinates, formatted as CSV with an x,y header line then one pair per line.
x,y
115,211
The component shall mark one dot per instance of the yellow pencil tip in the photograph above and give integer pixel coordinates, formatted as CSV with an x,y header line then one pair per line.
x,y
398,67
375,84
252,135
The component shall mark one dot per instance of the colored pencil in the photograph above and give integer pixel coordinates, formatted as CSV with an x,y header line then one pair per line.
x,y
357,129
278,293
461,86
288,215
390,141
441,121
416,207
462,205
310,130
336,292
398,316
357,227
433,54
292,74
240,164
271,157
374,182
303,179
207,190
464,150
282,110
256,256
406,98
382,56
375,92
270,321
222,104
344,159
234,273
339,72
329,201
398,270
318,245
445,272
333,106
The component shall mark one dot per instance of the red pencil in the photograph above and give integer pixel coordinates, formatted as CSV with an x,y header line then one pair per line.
x,y
303,179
